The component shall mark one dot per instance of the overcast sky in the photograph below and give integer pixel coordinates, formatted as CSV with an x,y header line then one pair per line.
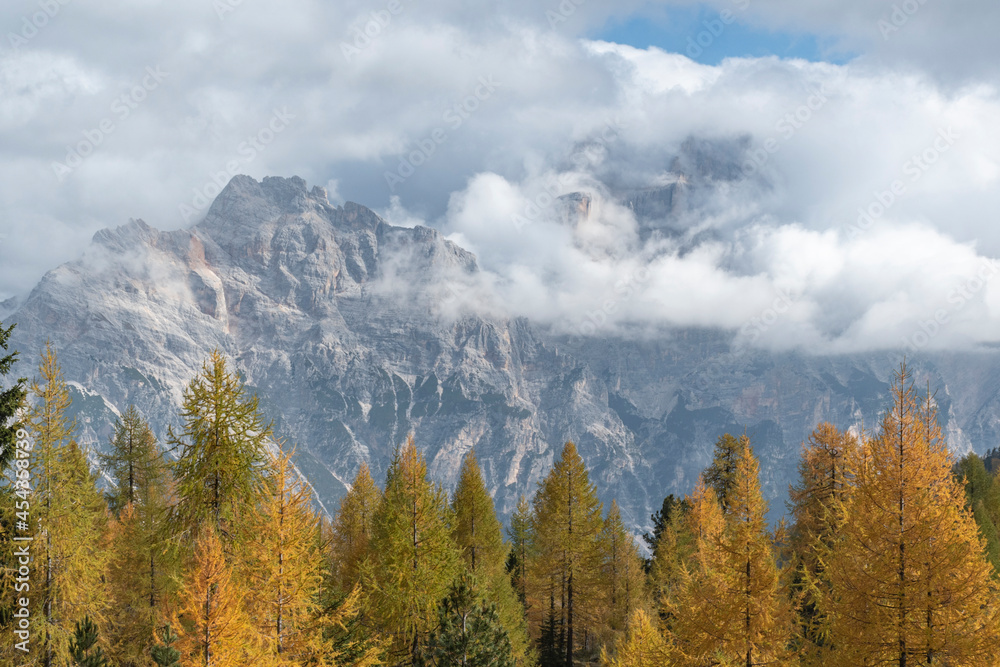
x,y
120,109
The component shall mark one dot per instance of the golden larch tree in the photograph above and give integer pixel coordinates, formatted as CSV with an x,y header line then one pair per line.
x,y
520,537
71,519
564,587
826,479
909,581
641,645
280,565
352,529
137,573
622,575
730,606
478,535
210,618
695,609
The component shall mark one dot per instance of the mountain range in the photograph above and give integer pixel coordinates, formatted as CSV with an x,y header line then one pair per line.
x,y
356,333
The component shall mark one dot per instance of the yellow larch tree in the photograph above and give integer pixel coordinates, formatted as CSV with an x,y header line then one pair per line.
x,y
826,479
137,573
479,537
674,548
69,551
519,534
210,619
352,529
412,558
641,645
763,623
909,580
280,565
696,610
731,607
622,575
564,587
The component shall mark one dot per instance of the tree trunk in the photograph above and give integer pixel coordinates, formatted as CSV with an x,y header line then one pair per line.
x,y
569,621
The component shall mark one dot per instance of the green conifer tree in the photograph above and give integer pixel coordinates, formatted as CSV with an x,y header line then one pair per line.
x,y
83,648
412,558
164,654
221,466
982,495
721,474
479,536
469,632
11,402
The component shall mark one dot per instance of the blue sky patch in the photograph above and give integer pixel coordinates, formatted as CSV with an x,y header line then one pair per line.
x,y
709,36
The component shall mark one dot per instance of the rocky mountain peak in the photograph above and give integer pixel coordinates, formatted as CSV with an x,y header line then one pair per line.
x,y
128,236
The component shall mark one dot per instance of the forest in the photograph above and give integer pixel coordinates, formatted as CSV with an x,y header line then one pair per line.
x,y
207,549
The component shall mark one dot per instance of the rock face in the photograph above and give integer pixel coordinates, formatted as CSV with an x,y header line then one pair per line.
x,y
348,329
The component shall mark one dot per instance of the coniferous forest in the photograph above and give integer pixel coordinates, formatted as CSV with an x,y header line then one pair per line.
x,y
206,549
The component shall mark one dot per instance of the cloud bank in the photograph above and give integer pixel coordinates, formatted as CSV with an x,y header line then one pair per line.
x,y
831,207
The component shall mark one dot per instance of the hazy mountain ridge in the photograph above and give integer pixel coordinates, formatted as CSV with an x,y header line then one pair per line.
x,y
351,333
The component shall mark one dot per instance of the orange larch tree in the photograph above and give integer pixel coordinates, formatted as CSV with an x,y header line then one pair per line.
x,y
909,580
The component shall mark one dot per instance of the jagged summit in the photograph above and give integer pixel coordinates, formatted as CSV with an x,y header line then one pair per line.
x,y
126,236
347,328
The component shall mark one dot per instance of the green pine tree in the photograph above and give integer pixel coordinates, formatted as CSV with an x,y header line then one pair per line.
x,y
84,640
164,654
469,632
982,494
11,401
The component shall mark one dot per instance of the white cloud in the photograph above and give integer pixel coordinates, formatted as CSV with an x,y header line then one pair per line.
x,y
798,160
